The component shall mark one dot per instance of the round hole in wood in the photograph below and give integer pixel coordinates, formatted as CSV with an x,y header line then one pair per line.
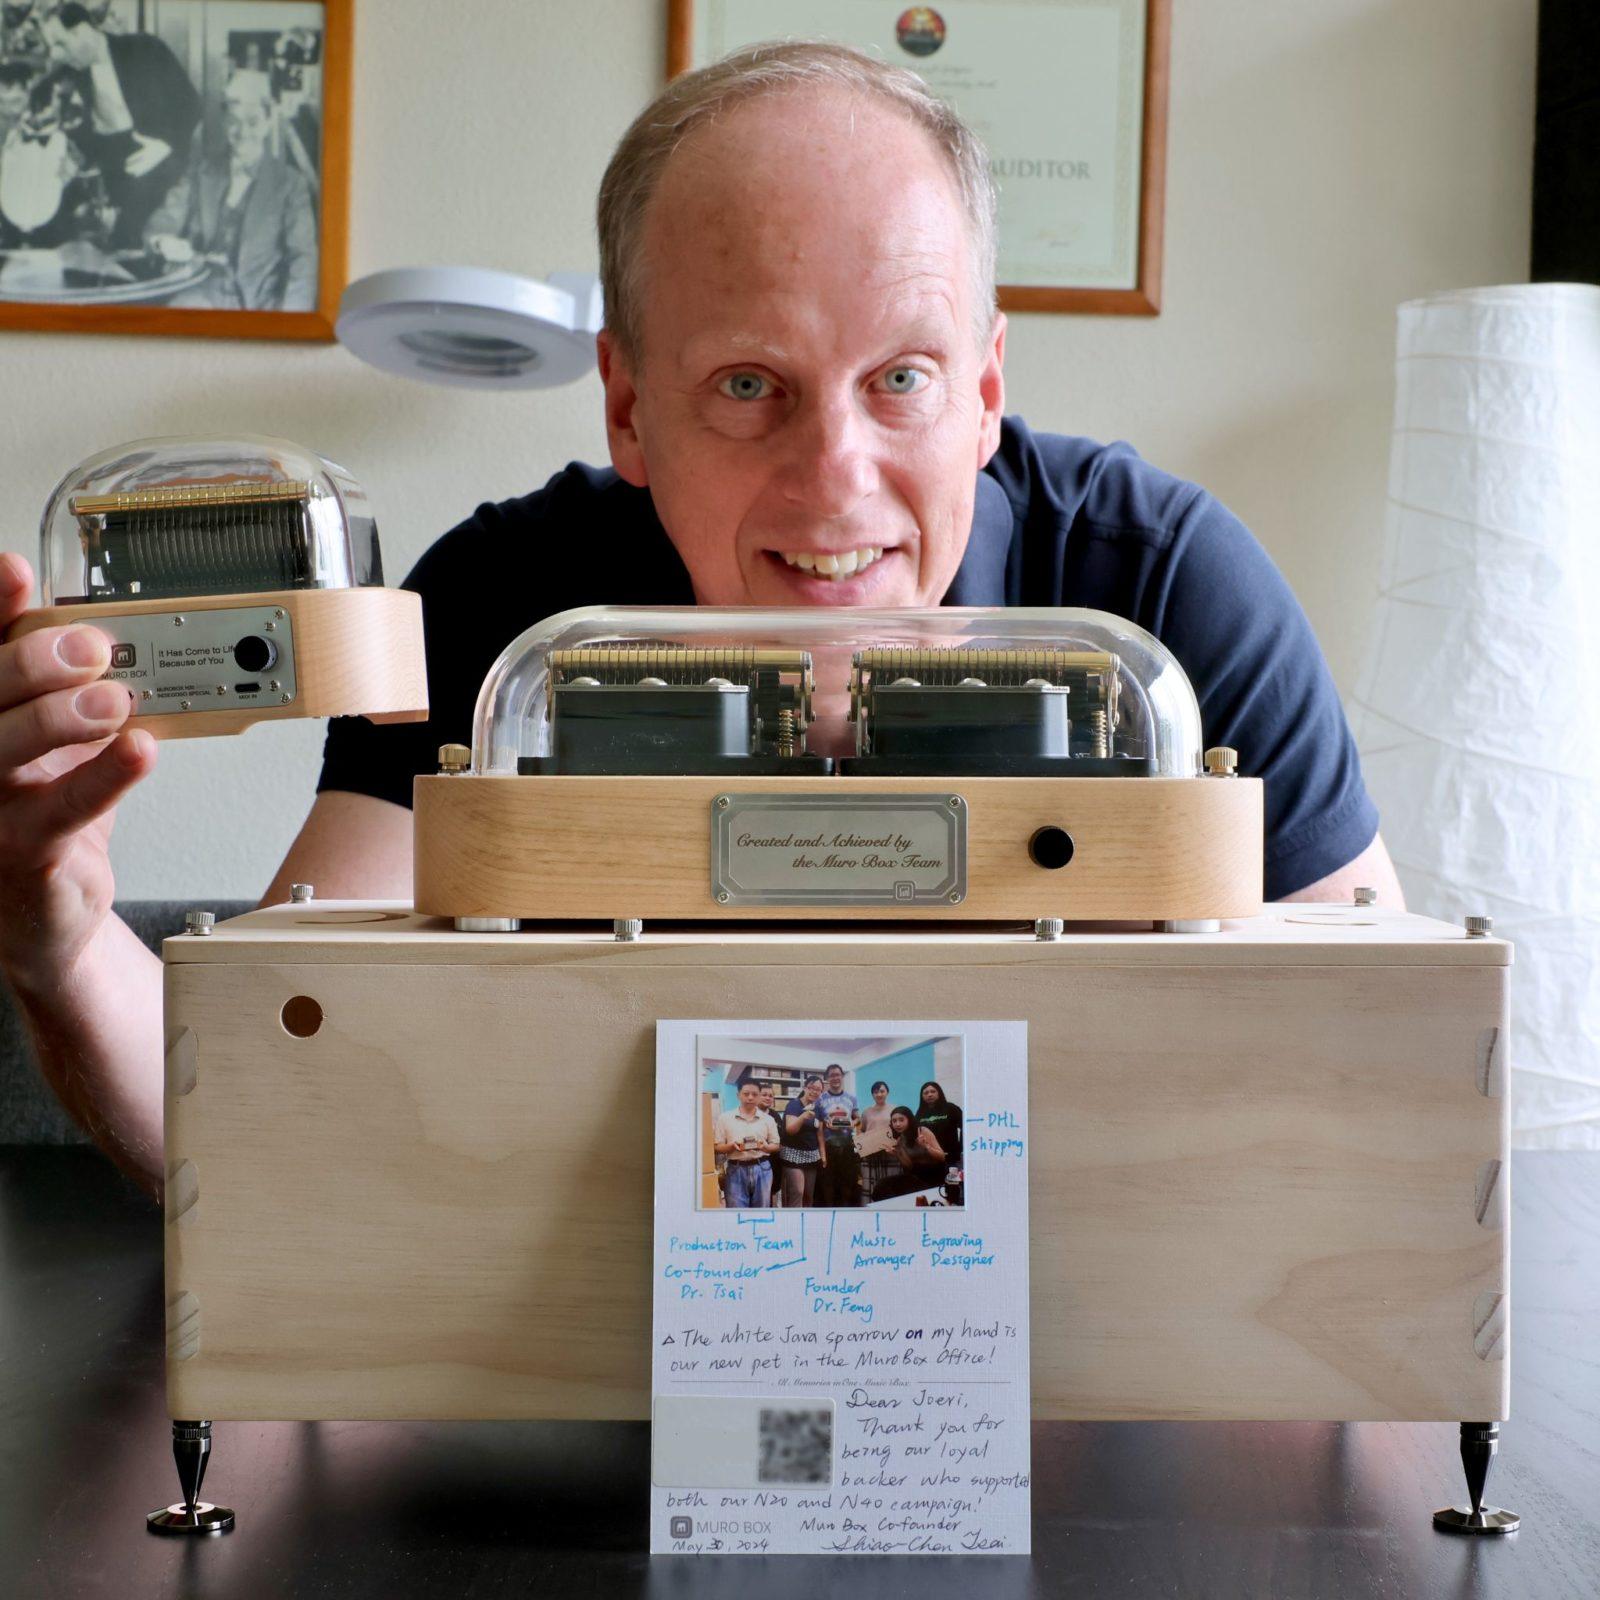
x,y
301,1016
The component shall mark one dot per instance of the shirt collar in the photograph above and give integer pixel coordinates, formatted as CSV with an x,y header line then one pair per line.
x,y
980,580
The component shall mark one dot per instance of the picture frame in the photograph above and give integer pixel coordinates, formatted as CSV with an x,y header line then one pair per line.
x,y
217,204
1079,232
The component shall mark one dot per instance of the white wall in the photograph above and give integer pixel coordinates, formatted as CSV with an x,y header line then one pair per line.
x,y
1326,162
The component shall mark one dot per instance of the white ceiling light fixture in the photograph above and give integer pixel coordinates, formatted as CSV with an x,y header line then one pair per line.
x,y
470,328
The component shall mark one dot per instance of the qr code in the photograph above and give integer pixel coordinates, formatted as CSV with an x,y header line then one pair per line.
x,y
796,1445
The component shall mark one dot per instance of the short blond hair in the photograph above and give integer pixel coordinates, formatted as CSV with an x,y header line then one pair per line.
x,y
758,70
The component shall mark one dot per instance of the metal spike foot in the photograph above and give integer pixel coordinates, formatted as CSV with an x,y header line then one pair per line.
x,y
191,1448
1479,1442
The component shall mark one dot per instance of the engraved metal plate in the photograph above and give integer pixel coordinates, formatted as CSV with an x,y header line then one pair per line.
x,y
184,660
819,850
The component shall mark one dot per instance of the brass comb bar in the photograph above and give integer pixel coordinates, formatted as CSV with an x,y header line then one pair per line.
x,y
171,497
949,665
676,663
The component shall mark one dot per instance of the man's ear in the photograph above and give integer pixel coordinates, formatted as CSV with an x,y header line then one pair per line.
x,y
992,391
616,373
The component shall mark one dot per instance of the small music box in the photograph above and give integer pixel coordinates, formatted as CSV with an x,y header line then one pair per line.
x,y
239,580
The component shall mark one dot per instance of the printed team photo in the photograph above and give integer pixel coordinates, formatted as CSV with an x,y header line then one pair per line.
x,y
830,1122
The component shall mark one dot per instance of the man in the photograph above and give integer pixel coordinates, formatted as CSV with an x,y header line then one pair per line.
x,y
802,364
249,211
765,1103
839,1183
748,1138
142,110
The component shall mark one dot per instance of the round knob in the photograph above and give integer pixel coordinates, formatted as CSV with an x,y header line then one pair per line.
x,y
454,758
199,922
1366,897
301,893
1222,761
1050,847
255,654
1479,927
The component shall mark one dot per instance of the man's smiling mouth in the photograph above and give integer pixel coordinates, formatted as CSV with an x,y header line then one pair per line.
x,y
837,564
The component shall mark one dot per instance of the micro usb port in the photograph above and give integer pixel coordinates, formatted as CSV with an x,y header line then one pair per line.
x,y
247,688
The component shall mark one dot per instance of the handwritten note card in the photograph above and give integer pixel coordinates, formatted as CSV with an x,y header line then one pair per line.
x,y
841,1288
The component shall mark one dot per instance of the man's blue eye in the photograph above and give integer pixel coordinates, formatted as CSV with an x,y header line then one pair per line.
x,y
744,386
904,380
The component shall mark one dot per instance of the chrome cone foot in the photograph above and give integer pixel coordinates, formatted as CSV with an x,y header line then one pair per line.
x,y
1480,1441
192,1516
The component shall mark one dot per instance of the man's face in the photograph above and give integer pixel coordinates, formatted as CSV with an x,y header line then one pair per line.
x,y
810,388
72,47
835,1080
13,100
245,124
747,1096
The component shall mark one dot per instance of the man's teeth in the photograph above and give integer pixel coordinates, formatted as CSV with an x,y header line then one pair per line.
x,y
842,565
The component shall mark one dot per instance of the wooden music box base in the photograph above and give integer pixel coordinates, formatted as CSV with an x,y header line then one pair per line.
x,y
356,651
1143,849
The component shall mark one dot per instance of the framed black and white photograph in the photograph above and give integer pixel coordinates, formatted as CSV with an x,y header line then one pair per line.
x,y
174,166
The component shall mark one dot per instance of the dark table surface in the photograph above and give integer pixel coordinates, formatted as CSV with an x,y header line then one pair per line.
x,y
1283,1510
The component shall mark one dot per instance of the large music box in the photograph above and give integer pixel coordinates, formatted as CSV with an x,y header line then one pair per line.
x,y
239,580
1268,1144
786,765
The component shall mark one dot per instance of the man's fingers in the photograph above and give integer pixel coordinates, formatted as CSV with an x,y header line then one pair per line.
x,y
52,658
16,586
73,801
67,717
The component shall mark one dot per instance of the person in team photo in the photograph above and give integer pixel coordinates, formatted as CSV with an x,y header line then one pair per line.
x,y
748,1138
802,1158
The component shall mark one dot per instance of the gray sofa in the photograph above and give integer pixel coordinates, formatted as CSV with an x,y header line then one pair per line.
x,y
29,1113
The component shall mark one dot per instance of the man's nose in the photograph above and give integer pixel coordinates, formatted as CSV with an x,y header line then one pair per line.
x,y
832,469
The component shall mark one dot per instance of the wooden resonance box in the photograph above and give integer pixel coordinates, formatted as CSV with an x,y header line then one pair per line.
x,y
410,1168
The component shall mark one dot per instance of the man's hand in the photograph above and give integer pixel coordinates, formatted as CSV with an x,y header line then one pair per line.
x,y
148,154
65,761
176,252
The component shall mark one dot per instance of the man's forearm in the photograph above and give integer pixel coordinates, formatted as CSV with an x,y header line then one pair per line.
x,y
97,1029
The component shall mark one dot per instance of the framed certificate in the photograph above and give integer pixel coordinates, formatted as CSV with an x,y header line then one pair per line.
x,y
1069,96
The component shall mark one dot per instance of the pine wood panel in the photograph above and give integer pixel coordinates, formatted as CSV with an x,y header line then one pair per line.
x,y
1256,1191
1145,848
356,652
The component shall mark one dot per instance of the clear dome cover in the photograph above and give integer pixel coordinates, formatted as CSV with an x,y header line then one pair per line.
x,y
897,692
205,515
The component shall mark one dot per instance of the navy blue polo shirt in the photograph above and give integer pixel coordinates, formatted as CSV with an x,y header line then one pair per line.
x,y
1057,521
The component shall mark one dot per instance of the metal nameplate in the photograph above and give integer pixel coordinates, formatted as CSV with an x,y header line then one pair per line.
x,y
190,660
819,850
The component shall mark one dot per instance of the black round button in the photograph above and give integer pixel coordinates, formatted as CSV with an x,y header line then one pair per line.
x,y
255,654
1051,847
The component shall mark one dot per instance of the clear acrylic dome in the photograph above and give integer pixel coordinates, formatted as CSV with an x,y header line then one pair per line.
x,y
881,689
205,515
